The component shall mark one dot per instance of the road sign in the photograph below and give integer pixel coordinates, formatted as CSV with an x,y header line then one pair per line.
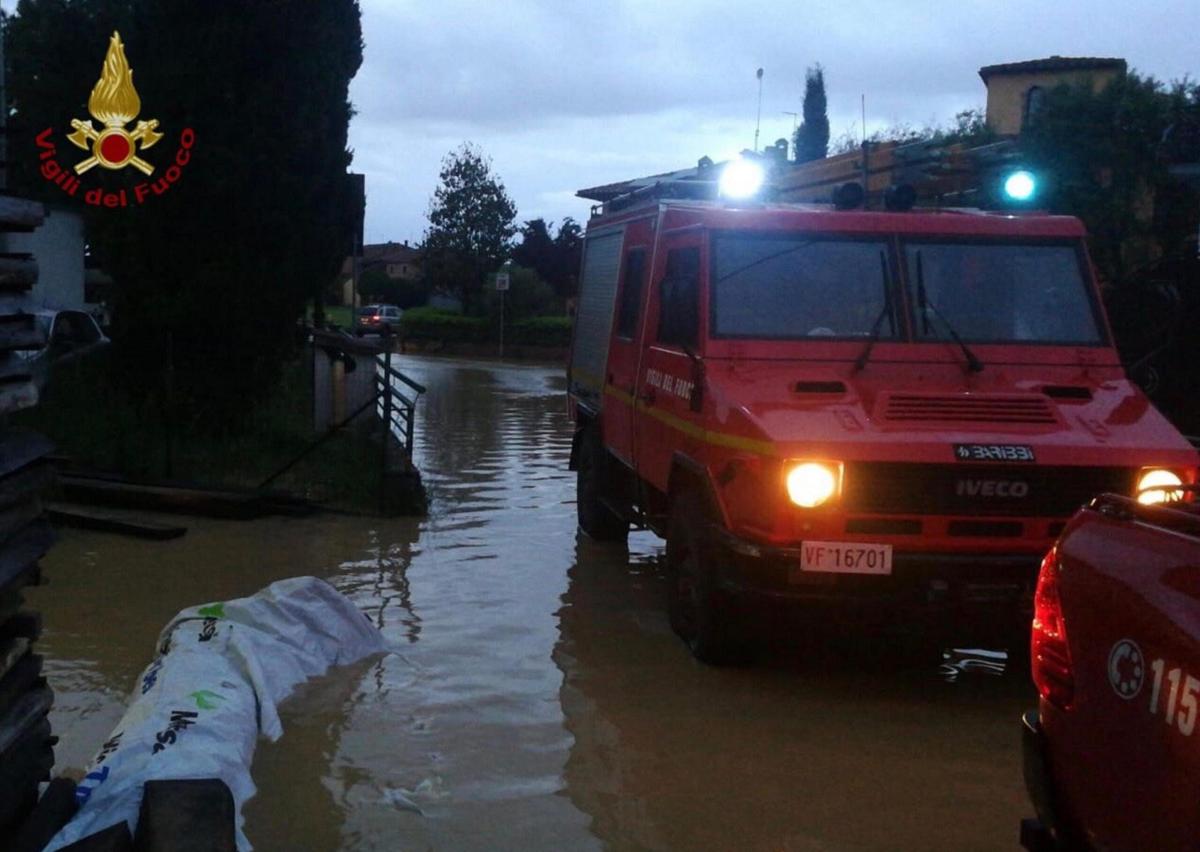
x,y
502,281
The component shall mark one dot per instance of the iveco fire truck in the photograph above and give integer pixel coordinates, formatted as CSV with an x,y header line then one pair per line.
x,y
884,411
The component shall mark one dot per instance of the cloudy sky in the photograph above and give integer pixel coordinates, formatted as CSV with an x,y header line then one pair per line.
x,y
563,94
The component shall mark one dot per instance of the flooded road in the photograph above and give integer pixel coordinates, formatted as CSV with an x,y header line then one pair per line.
x,y
541,701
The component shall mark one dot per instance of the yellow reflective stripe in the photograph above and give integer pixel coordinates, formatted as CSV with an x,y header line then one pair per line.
x,y
687,427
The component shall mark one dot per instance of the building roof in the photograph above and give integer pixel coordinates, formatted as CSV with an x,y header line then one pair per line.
x,y
381,254
609,191
390,253
1054,63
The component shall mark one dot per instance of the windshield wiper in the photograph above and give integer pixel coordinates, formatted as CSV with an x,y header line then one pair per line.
x,y
764,259
861,361
923,303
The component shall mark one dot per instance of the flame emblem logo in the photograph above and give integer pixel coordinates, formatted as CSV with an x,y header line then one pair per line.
x,y
114,103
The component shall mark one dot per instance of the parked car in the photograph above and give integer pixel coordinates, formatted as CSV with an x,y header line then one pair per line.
x,y
377,319
1111,756
68,335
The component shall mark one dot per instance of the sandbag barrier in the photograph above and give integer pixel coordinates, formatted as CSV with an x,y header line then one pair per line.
x,y
175,770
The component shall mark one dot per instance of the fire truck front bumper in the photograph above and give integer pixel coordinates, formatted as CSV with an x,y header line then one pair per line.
x,y
968,582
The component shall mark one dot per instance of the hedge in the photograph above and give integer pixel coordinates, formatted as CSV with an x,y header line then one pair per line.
x,y
542,331
436,324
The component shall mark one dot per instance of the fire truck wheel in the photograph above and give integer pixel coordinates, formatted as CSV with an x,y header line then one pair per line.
x,y
704,618
595,518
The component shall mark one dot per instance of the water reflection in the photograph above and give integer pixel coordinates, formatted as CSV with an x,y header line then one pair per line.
x,y
539,700
807,752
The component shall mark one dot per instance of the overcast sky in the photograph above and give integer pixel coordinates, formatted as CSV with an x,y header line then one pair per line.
x,y
564,94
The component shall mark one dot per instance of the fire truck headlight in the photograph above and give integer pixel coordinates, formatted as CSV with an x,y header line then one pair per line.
x,y
741,179
811,484
1154,486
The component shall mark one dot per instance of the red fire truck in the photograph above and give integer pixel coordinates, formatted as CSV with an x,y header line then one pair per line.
x,y
867,412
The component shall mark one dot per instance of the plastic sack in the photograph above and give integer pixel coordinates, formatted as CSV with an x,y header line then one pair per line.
x,y
198,708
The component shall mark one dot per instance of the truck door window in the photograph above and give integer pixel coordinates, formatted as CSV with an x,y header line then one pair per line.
x,y
789,286
679,298
991,292
631,293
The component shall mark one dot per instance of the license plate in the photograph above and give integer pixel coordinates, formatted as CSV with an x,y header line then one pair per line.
x,y
841,557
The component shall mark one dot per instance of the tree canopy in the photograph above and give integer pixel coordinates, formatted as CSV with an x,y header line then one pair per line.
x,y
555,258
470,225
212,275
1102,157
812,136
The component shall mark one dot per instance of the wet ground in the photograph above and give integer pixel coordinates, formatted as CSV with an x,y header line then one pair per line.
x,y
541,701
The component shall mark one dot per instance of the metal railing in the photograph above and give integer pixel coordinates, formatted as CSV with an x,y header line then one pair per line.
x,y
396,403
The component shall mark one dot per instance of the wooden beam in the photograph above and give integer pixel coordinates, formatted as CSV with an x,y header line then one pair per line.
x,y
17,271
16,213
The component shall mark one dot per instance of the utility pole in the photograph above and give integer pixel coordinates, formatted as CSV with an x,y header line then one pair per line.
x,y
502,282
758,121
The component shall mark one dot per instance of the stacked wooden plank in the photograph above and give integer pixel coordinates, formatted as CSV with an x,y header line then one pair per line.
x,y
26,745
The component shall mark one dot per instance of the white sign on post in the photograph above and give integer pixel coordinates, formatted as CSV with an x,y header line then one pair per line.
x,y
502,281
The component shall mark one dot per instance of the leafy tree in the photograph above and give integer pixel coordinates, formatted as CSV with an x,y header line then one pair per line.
x,y
536,248
470,225
211,275
528,296
970,128
555,258
375,284
1099,153
812,136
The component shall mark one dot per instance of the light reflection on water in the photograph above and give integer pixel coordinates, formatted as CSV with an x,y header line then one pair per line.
x,y
541,701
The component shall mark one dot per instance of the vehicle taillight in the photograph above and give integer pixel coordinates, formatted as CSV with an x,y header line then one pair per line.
x,y
1050,657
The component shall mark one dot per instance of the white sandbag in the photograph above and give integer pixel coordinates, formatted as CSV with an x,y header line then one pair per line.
x,y
198,708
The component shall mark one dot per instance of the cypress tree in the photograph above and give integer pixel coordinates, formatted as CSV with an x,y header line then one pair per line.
x,y
812,137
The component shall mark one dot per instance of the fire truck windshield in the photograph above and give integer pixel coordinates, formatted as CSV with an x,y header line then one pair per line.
x,y
1001,293
770,286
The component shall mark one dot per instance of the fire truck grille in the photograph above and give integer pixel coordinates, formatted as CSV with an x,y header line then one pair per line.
x,y
977,490
973,409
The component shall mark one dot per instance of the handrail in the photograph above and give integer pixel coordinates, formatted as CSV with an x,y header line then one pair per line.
x,y
396,409
392,371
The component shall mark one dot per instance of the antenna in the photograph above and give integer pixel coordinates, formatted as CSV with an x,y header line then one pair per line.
x,y
864,117
758,121
795,119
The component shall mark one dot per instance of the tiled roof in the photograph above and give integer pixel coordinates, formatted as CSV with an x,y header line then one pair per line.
x,y
390,253
1054,63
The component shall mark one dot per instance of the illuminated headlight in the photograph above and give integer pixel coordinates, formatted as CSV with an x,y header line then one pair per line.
x,y
810,484
1154,486
741,179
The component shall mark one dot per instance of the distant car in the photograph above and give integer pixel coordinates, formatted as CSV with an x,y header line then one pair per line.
x,y
377,319
1112,756
68,335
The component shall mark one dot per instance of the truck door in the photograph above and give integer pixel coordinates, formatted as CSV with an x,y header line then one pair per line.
x,y
674,326
623,349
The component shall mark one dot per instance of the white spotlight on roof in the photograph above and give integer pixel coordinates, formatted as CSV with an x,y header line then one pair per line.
x,y
1020,186
741,179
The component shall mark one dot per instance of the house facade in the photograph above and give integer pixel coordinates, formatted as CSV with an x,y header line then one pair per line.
x,y
399,261
1015,89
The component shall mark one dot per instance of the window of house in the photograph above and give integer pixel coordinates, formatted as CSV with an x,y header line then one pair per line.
x,y
679,298
631,294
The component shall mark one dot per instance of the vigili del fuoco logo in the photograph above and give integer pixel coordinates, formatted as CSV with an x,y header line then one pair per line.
x,y
114,103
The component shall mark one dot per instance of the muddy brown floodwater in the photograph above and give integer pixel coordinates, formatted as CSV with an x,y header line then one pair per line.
x,y
541,701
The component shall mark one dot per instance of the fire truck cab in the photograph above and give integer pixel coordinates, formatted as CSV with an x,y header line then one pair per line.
x,y
892,412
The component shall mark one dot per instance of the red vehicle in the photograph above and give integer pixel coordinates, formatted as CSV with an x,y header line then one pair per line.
x,y
1110,757
894,413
